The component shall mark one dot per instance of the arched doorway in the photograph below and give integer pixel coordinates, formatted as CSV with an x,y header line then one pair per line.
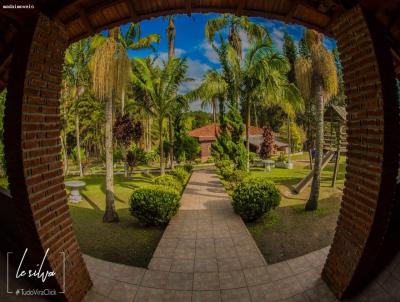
x,y
367,222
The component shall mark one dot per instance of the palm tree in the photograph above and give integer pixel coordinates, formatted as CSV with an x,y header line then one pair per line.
x,y
212,88
159,85
234,24
317,79
171,33
111,69
77,76
133,40
261,79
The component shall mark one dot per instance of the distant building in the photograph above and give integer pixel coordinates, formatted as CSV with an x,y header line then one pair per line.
x,y
208,135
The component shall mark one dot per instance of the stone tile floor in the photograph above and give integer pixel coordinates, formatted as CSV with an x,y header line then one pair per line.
x,y
207,254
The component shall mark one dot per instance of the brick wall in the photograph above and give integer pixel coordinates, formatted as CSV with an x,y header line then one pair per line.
x,y
367,204
205,150
32,146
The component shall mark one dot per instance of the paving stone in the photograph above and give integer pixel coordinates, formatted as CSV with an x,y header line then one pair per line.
x,y
228,264
235,295
177,296
288,287
256,275
205,265
161,264
155,279
180,281
264,292
146,294
206,296
182,266
206,281
279,270
231,279
299,264
123,292
102,285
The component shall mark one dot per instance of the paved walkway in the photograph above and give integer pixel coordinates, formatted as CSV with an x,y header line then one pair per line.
x,y
207,254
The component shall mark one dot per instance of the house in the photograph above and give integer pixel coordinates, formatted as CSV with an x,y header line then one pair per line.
x,y
207,135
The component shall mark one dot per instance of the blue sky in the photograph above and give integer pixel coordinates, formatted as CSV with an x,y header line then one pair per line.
x,y
191,43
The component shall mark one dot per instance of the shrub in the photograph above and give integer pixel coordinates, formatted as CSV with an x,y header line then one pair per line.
x,y
188,167
223,163
181,174
226,172
237,176
197,160
254,197
154,205
169,181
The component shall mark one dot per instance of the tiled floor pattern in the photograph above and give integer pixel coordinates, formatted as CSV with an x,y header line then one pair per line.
x,y
207,254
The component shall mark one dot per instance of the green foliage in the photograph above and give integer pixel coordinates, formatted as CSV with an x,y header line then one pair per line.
x,y
154,205
223,163
169,181
188,167
181,174
297,135
290,52
282,158
226,172
74,155
196,119
252,157
136,156
254,197
186,148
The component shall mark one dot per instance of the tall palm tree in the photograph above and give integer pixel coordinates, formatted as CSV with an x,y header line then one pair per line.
x,y
212,88
160,86
133,40
77,77
234,25
171,34
316,77
261,79
111,69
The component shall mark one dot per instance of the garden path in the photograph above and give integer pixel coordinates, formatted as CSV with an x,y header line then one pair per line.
x,y
207,254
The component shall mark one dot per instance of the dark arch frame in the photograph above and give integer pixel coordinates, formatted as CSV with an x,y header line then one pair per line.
x,y
367,220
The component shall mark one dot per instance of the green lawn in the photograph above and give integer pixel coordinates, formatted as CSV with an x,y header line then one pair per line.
x,y
289,231
285,179
125,242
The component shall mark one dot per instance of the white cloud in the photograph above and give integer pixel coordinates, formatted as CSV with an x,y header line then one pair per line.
x,y
277,37
245,41
163,55
209,52
196,71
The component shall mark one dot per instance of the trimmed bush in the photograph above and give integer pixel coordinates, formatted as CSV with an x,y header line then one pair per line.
x,y
181,174
254,197
154,205
223,163
188,167
226,172
169,181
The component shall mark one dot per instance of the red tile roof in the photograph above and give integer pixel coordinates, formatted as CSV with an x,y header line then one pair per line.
x,y
209,131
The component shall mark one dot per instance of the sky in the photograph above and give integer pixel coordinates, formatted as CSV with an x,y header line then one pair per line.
x,y
190,42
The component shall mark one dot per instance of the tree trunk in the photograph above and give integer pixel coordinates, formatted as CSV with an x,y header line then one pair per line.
x,y
123,102
150,122
248,136
255,115
312,203
289,142
161,148
171,142
64,147
78,145
110,214
214,109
